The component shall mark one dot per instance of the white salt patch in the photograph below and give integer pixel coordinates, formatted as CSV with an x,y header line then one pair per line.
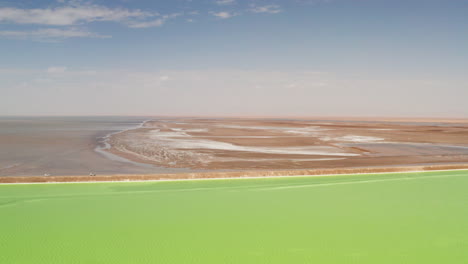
x,y
180,140
321,123
158,133
310,128
279,159
243,136
303,131
353,138
190,130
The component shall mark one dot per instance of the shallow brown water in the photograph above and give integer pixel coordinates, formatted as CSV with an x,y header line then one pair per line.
x,y
63,146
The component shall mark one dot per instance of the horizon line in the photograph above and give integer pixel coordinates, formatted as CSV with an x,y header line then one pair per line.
x,y
298,117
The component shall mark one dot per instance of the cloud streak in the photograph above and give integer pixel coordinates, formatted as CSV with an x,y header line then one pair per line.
x,y
56,70
225,2
270,9
69,15
50,34
223,14
64,20
70,18
153,23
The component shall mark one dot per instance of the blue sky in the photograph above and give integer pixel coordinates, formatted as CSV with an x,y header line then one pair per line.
x,y
234,57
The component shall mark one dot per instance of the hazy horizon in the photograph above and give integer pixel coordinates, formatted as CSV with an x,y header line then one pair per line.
x,y
234,58
291,117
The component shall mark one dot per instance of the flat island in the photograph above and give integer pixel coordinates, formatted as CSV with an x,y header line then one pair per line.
x,y
276,144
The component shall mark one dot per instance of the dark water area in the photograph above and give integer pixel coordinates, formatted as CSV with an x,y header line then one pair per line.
x,y
31,146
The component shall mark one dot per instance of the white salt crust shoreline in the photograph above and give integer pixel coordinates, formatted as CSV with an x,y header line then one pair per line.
x,y
241,177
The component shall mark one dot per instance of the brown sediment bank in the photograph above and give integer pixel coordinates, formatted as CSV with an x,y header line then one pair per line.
x,y
189,145
225,175
278,144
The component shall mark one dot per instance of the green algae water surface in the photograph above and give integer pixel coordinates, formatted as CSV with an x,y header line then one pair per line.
x,y
385,218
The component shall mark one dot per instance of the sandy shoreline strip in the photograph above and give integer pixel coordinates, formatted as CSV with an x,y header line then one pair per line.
x,y
225,175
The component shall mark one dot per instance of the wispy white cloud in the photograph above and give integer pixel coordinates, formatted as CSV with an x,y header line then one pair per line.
x,y
146,24
50,34
75,13
64,19
153,23
271,9
313,2
56,69
69,15
223,14
225,2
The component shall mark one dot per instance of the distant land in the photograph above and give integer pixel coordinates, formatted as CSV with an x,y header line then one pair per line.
x,y
109,145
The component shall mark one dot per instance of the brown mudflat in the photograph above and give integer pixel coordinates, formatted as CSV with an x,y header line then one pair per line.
x,y
293,144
